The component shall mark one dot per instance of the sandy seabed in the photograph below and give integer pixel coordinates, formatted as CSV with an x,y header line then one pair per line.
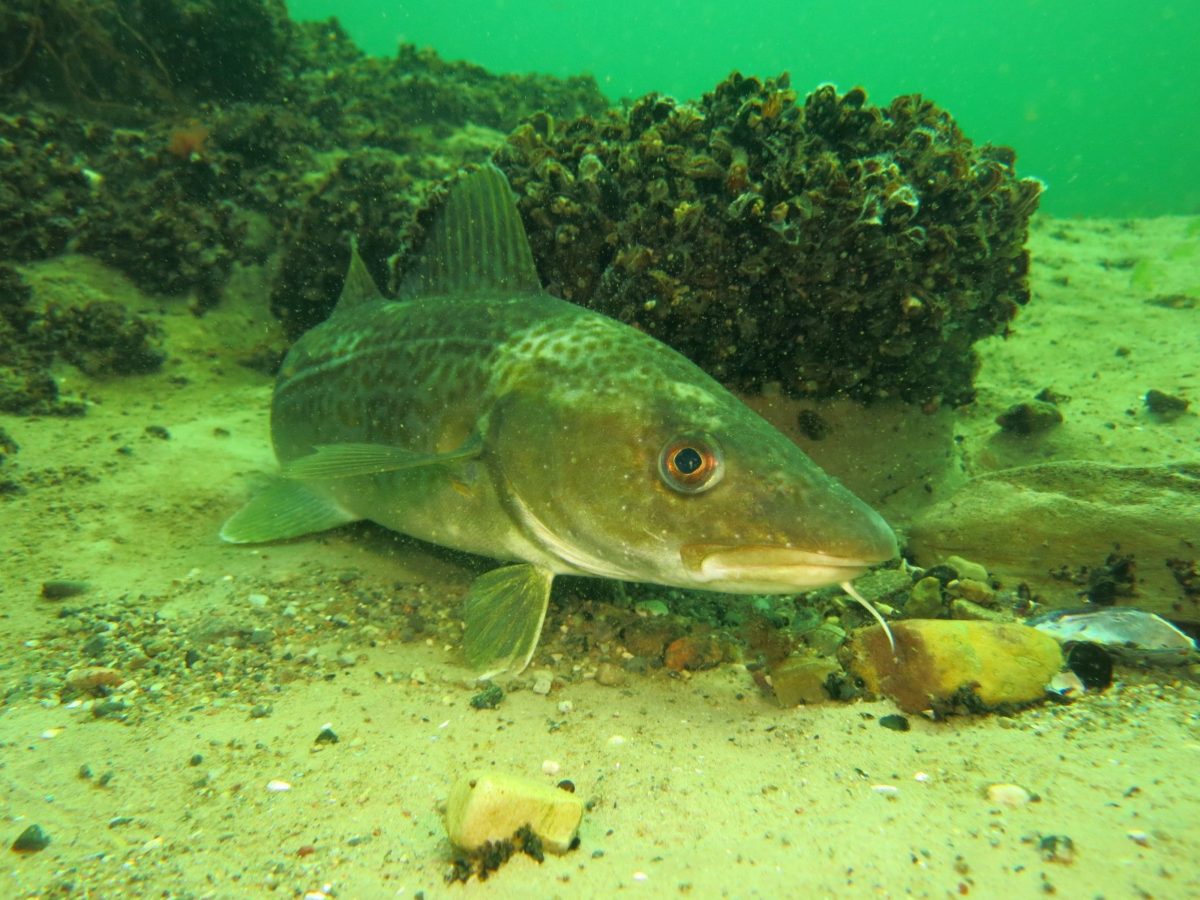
x,y
191,768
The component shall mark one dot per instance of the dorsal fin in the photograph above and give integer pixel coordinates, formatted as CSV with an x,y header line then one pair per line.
x,y
476,243
359,286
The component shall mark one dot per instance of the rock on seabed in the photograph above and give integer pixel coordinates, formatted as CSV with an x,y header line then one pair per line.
x,y
936,661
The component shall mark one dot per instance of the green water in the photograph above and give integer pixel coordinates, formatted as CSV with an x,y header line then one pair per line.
x,y
1099,97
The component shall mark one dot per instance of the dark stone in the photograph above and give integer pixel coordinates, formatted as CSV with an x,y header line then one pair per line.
x,y
489,698
96,646
32,840
1165,406
327,736
60,589
1029,418
894,722
110,708
1092,664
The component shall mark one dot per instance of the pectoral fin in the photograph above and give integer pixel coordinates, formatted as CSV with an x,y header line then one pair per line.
x,y
348,460
504,612
286,509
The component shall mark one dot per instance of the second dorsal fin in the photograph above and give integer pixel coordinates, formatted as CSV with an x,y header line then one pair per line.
x,y
359,287
476,243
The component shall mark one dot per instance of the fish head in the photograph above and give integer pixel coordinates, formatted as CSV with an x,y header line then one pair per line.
x,y
682,485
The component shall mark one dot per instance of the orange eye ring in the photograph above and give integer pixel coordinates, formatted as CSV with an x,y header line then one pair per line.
x,y
691,464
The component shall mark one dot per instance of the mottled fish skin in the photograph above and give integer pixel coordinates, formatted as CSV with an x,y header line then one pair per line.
x,y
543,433
574,408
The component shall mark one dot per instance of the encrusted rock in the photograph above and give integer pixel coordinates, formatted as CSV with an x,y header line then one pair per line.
x,y
925,600
801,679
1029,418
949,666
493,806
768,239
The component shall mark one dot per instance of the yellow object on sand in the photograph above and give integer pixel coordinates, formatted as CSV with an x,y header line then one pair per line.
x,y
936,660
493,806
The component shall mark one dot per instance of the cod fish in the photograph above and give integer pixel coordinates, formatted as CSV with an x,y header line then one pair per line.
x,y
478,412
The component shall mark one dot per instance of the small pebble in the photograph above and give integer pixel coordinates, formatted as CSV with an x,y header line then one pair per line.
x,y
260,711
90,678
610,675
31,840
894,722
1165,405
692,653
1029,418
258,601
974,590
61,589
965,568
1066,685
489,698
110,708
1057,848
1010,796
276,786
550,767
327,735
651,608
1139,837
543,681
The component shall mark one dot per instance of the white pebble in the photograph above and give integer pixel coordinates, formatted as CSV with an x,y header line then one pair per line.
x,y
542,682
550,767
1139,837
565,706
616,740
1010,796
258,601
276,786
887,790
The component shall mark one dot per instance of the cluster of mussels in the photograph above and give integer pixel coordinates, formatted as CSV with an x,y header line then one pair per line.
x,y
833,247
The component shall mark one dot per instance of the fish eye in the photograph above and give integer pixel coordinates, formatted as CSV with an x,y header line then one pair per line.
x,y
690,464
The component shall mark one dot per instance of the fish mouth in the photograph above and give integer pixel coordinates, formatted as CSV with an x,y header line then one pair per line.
x,y
752,568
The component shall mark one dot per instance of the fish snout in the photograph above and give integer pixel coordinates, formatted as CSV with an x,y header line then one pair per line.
x,y
838,551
